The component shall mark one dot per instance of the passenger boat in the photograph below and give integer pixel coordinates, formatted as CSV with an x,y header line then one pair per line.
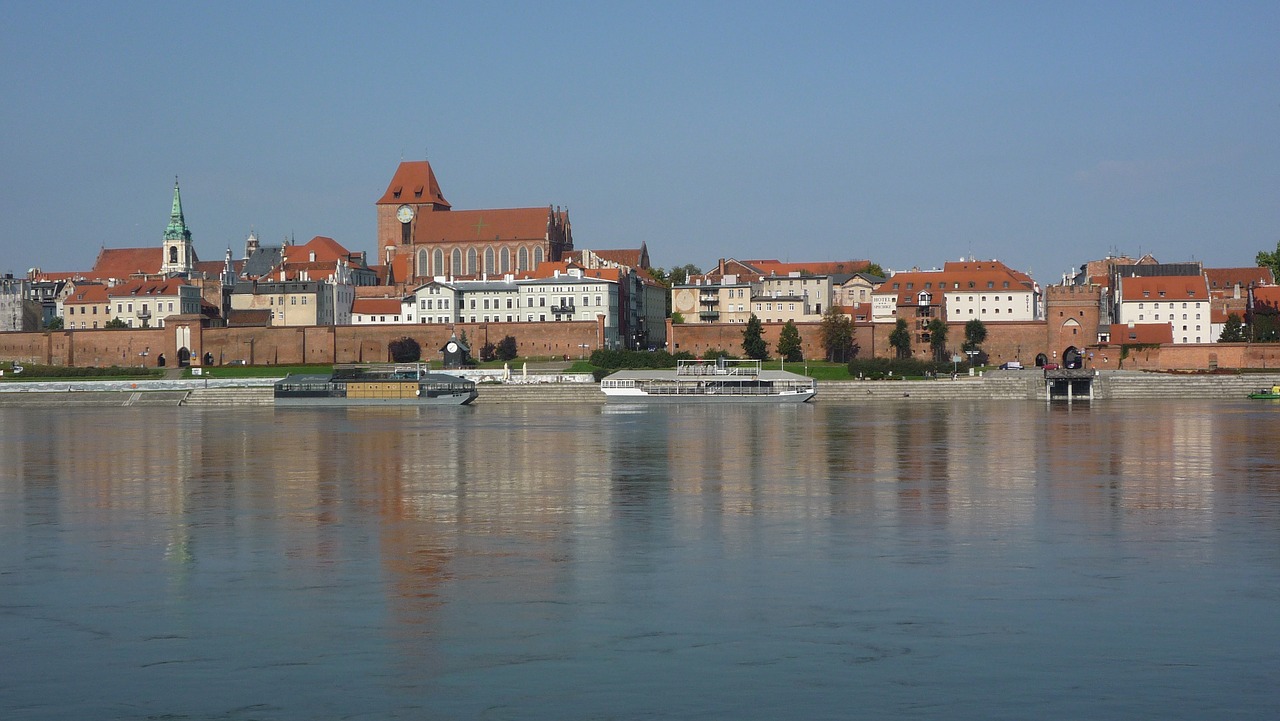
x,y
705,381
1266,394
375,385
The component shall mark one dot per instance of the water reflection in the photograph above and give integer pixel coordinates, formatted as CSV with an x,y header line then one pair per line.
x,y
395,554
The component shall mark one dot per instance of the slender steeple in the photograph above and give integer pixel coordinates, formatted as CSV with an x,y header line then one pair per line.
x,y
177,229
179,253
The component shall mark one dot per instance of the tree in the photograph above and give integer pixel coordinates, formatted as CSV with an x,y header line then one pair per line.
x,y
1232,330
677,317
405,350
975,334
1270,260
507,349
900,339
753,339
875,269
488,352
837,336
679,275
789,346
938,338
55,323
116,323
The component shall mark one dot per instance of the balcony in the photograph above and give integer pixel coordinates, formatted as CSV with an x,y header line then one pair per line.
x,y
144,314
709,315
562,309
709,300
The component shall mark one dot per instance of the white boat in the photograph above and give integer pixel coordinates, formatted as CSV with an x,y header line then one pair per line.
x,y
709,381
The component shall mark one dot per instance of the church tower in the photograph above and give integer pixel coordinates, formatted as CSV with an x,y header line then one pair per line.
x,y
179,254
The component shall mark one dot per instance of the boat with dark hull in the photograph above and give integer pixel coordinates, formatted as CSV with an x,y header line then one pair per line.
x,y
411,384
709,381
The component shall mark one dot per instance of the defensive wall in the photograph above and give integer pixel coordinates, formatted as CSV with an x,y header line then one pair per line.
x,y
354,344
286,345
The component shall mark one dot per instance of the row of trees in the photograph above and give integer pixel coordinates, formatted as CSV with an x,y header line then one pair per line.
x,y
840,347
408,350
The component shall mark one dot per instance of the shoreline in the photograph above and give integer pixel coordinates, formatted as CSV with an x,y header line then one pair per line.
x,y
994,386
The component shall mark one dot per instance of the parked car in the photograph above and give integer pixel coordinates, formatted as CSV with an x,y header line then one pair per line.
x,y
1011,366
1050,366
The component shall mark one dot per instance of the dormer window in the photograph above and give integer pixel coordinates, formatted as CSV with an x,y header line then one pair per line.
x,y
395,192
417,192
1146,294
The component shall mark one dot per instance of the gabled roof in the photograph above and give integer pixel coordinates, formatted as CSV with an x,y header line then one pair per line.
x,y
1163,287
414,182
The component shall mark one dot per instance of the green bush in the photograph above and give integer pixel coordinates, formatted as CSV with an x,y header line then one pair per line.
x,y
40,371
614,359
879,368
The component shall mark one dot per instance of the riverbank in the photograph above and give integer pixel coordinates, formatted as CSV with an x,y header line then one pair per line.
x,y
995,386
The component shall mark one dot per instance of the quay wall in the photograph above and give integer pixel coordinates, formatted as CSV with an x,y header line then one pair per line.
x,y
996,386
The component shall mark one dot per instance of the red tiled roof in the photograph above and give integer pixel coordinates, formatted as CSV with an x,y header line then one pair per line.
x,y
249,317
1141,333
493,224
377,306
1267,296
1225,279
326,249
1163,287
774,267
165,287
87,293
629,258
124,262
414,182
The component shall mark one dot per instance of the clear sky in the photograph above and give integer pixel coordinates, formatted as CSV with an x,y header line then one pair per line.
x,y
1044,135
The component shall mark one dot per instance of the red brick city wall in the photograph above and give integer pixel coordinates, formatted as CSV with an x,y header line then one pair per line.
x,y
290,345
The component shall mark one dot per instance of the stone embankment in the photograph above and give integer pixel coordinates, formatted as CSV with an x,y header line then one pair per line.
x,y
994,386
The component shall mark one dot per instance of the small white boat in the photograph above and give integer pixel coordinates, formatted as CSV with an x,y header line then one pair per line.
x,y
709,381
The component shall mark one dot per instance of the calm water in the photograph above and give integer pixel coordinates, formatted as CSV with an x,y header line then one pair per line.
x,y
957,561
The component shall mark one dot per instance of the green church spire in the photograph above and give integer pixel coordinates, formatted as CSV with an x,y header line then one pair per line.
x,y
177,229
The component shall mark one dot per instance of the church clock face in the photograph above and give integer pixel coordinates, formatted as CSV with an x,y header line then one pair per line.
x,y
452,347
404,213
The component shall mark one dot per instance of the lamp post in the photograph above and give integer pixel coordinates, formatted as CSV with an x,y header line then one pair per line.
x,y
971,353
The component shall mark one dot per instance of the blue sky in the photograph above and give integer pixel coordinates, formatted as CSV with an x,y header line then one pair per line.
x,y
906,133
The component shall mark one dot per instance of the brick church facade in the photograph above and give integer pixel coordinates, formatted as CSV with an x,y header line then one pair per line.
x,y
421,236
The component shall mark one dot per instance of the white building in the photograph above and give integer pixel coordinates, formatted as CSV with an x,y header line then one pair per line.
x,y
1181,301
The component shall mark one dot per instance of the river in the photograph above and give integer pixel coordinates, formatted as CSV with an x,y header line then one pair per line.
x,y
957,560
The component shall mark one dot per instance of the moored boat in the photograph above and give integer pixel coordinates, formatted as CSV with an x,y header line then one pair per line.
x,y
1266,394
375,385
705,381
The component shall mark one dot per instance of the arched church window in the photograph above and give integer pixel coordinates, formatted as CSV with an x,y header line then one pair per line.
x,y
522,259
488,260
505,257
173,254
423,268
537,257
455,267
471,261
437,261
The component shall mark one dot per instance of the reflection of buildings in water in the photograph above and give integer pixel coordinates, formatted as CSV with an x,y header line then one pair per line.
x,y
1166,459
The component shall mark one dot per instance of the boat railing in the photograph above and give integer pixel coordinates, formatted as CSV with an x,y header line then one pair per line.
x,y
718,367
